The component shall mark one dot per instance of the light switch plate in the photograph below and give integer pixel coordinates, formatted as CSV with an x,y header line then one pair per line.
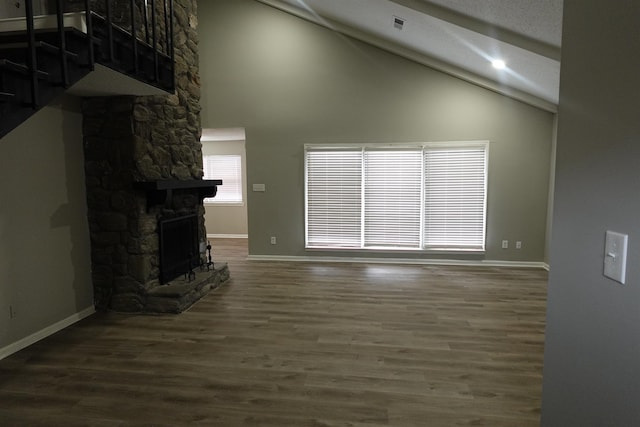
x,y
615,256
259,187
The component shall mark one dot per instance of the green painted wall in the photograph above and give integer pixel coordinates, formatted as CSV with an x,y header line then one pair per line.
x,y
289,82
45,267
592,348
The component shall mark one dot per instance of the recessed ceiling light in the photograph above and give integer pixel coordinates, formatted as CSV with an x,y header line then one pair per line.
x,y
499,64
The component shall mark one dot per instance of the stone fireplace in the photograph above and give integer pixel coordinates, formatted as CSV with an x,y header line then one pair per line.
x,y
143,167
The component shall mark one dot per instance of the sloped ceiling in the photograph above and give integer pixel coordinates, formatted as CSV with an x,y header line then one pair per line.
x,y
460,37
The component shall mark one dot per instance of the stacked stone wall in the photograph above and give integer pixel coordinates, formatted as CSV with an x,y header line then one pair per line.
x,y
140,139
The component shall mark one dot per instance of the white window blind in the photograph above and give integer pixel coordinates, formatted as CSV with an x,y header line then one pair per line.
x,y
426,197
228,168
455,197
334,186
393,187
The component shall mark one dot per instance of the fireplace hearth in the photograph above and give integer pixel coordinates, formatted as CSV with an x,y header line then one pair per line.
x,y
148,236
165,248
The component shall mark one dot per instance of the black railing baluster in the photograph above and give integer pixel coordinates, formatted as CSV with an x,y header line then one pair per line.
x,y
146,21
166,27
172,53
64,70
112,57
89,23
156,71
134,37
33,62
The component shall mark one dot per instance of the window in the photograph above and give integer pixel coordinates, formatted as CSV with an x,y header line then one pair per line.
x,y
455,197
393,183
228,168
430,197
334,209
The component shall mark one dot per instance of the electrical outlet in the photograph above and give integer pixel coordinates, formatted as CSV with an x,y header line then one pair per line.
x,y
273,240
505,244
518,244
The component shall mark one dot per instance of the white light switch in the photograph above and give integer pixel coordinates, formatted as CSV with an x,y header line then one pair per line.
x,y
259,187
615,256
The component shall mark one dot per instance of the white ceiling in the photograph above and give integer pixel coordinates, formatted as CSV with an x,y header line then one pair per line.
x,y
460,37
538,19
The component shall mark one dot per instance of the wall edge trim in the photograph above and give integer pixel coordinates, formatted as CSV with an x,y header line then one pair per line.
x,y
44,333
409,261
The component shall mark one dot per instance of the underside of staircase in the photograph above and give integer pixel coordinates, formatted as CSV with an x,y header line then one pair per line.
x,y
42,61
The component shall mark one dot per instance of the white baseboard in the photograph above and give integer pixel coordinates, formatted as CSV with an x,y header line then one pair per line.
x,y
227,236
49,330
545,266
411,261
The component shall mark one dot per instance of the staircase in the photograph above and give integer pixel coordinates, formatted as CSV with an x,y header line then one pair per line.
x,y
42,61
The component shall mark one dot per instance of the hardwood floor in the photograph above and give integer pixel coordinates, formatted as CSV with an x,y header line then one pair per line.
x,y
300,344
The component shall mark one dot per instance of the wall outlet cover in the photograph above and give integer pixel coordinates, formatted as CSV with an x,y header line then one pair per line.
x,y
615,256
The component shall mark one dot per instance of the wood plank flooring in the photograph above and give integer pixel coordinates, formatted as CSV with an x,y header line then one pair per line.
x,y
300,344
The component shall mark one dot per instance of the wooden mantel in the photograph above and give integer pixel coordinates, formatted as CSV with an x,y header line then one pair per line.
x,y
161,192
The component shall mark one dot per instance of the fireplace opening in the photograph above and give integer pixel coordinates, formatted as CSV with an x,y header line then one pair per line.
x,y
179,247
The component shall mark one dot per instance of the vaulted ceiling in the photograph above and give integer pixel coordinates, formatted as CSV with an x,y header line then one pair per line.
x,y
459,37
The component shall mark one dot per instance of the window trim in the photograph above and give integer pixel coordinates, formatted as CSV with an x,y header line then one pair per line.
x,y
485,144
214,201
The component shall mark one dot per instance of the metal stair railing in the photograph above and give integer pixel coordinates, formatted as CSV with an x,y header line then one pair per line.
x,y
150,36
38,64
89,24
32,62
64,66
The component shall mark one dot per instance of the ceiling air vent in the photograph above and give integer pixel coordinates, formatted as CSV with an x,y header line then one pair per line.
x,y
398,23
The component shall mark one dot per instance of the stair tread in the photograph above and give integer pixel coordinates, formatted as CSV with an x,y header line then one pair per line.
x,y
39,44
41,33
20,68
18,45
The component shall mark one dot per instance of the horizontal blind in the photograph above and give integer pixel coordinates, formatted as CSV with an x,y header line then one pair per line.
x,y
333,189
393,185
455,197
228,168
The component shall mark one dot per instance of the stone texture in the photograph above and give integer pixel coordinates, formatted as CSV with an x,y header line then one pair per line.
x,y
181,294
126,285
111,221
132,139
131,302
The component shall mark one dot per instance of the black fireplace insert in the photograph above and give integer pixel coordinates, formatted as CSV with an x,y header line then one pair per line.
x,y
179,247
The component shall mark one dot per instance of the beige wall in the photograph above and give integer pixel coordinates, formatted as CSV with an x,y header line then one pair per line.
x,y
552,187
227,220
592,344
44,240
8,8
291,82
